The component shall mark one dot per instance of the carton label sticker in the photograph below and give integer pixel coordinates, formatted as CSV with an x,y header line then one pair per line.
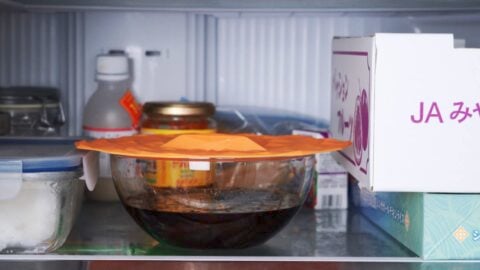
x,y
179,173
331,191
133,108
199,165
350,107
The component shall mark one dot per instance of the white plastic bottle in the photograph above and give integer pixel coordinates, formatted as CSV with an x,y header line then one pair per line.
x,y
110,112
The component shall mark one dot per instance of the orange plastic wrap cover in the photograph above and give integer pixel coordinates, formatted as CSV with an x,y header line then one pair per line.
x,y
213,146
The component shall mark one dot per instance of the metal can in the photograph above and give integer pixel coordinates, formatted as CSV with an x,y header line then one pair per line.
x,y
177,118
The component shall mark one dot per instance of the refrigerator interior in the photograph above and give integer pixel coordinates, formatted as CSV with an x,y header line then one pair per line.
x,y
267,54
269,58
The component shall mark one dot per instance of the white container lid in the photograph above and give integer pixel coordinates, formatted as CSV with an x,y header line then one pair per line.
x,y
40,154
19,156
112,67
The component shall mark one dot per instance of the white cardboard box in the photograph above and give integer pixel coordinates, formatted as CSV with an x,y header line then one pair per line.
x,y
380,85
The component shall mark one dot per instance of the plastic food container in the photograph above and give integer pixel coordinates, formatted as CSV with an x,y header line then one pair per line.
x,y
245,203
40,193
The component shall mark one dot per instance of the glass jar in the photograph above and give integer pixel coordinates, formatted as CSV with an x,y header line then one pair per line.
x,y
177,118
30,111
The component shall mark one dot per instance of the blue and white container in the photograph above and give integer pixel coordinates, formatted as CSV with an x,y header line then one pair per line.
x,y
40,193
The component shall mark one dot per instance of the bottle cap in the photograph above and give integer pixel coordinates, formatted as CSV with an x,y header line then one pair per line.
x,y
112,67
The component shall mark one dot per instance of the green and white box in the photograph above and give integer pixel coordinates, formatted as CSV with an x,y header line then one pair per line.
x,y
432,225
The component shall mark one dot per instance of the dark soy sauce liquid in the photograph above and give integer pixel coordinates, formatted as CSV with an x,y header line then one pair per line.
x,y
180,225
212,230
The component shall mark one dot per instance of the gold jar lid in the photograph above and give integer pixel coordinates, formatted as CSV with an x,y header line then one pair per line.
x,y
179,108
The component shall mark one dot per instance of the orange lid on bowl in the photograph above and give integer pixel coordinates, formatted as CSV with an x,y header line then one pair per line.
x,y
213,146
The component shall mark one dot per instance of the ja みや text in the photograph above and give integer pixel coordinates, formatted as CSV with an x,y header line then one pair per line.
x,y
433,113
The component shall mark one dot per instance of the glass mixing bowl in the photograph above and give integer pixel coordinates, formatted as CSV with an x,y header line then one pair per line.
x,y
212,204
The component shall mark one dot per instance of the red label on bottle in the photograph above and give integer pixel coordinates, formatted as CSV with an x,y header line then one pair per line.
x,y
133,108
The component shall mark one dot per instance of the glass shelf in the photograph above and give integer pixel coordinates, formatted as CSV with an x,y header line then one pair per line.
x,y
104,231
105,235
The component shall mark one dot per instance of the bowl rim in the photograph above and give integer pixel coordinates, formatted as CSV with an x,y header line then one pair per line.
x,y
223,159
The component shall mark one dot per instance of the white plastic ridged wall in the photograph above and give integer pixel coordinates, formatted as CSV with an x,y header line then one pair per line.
x,y
43,49
29,46
280,61
73,82
270,60
201,57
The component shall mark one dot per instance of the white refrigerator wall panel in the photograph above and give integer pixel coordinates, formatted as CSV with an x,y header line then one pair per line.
x,y
30,49
283,60
275,60
160,76
45,49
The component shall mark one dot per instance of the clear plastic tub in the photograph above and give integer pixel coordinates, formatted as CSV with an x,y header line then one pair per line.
x,y
40,193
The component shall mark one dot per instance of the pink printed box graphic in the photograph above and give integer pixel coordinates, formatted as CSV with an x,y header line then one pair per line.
x,y
350,105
